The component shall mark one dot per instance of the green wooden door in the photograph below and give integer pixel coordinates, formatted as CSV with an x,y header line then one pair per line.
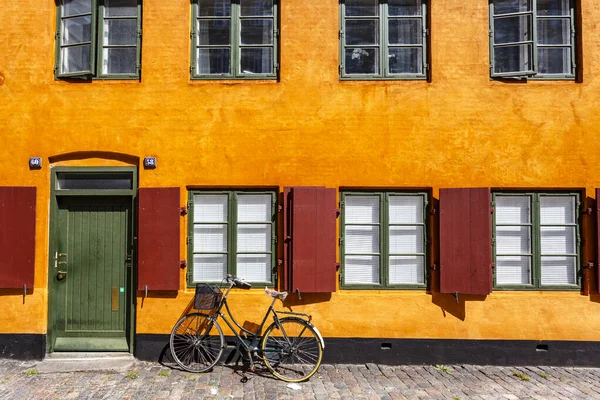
x,y
91,275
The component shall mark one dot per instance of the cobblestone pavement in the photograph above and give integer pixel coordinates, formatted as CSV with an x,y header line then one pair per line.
x,y
144,380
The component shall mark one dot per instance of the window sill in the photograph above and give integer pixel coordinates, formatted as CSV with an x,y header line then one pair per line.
x,y
382,78
565,288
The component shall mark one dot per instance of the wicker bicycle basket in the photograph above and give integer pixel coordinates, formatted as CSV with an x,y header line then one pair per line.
x,y
207,296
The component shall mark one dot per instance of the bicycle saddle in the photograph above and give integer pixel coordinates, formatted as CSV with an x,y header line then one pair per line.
x,y
275,294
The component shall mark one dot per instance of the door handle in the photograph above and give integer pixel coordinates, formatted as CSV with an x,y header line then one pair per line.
x,y
60,275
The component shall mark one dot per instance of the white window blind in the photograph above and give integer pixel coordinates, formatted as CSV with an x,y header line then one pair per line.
x,y
210,237
558,234
361,239
513,240
254,237
406,240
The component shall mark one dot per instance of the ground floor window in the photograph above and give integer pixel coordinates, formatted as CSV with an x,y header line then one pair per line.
x,y
383,239
536,240
232,232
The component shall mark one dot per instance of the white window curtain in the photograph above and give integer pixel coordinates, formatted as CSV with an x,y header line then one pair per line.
x,y
558,232
406,240
361,239
254,229
210,237
513,240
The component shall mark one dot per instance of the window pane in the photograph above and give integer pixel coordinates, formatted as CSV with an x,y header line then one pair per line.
x,y
513,239
120,8
210,238
257,60
76,7
407,270
77,30
253,267
362,61
512,209
214,8
361,269
120,32
406,209
361,209
559,271
213,32
405,60
554,31
213,61
405,31
75,59
209,267
119,61
513,29
406,239
70,181
361,8
404,7
554,61
511,6
254,208
361,239
254,238
553,7
256,7
558,239
210,208
257,31
557,210
362,32
513,270
513,59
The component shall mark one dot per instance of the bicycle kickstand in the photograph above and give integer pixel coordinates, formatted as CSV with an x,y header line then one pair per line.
x,y
251,361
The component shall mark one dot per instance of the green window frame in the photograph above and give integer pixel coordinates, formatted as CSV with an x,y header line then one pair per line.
x,y
383,39
220,228
532,39
85,47
536,240
374,258
234,39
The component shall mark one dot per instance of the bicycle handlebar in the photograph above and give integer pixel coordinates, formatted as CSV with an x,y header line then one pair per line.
x,y
237,282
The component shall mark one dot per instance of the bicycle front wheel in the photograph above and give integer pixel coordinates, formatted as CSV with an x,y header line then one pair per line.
x,y
196,342
292,351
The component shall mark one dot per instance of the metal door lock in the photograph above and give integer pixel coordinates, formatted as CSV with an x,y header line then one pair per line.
x,y
60,275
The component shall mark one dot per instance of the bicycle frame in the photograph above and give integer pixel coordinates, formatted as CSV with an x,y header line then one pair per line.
x,y
251,341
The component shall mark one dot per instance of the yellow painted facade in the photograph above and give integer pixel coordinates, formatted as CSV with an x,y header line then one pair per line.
x,y
461,129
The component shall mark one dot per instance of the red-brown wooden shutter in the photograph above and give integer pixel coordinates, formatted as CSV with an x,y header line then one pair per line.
x,y
465,241
310,240
158,238
598,240
17,237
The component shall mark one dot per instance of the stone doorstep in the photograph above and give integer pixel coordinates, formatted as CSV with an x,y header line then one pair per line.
x,y
81,362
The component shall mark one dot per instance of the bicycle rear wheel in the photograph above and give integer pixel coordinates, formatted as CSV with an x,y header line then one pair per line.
x,y
196,342
292,351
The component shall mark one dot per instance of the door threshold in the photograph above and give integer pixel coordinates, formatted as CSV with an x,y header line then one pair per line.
x,y
85,361
86,344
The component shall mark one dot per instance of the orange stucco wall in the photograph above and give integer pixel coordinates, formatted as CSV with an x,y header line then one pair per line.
x,y
459,130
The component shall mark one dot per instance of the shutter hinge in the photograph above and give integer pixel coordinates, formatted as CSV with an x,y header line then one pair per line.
x,y
341,241
338,211
433,267
276,32
187,240
426,66
587,210
279,208
492,209
490,33
341,34
192,35
57,35
139,33
182,264
588,265
341,68
425,31
277,67
183,210
492,265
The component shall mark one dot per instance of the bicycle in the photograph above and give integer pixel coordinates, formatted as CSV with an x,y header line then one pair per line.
x,y
291,348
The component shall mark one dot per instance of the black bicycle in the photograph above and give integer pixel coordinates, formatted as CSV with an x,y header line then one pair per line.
x,y
291,347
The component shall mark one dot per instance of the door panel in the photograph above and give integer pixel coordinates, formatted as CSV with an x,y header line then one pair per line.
x,y
92,285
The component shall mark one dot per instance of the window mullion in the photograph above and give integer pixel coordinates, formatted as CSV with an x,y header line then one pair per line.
x,y
236,39
232,233
536,241
94,37
383,240
535,33
383,42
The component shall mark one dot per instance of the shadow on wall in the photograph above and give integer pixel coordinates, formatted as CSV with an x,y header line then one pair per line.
x,y
452,305
294,299
16,292
82,155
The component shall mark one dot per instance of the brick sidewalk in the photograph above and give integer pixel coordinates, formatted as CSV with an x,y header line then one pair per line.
x,y
20,380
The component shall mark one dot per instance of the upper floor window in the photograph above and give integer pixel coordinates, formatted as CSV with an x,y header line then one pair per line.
x,y
234,39
383,239
232,232
536,240
532,38
383,39
98,38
